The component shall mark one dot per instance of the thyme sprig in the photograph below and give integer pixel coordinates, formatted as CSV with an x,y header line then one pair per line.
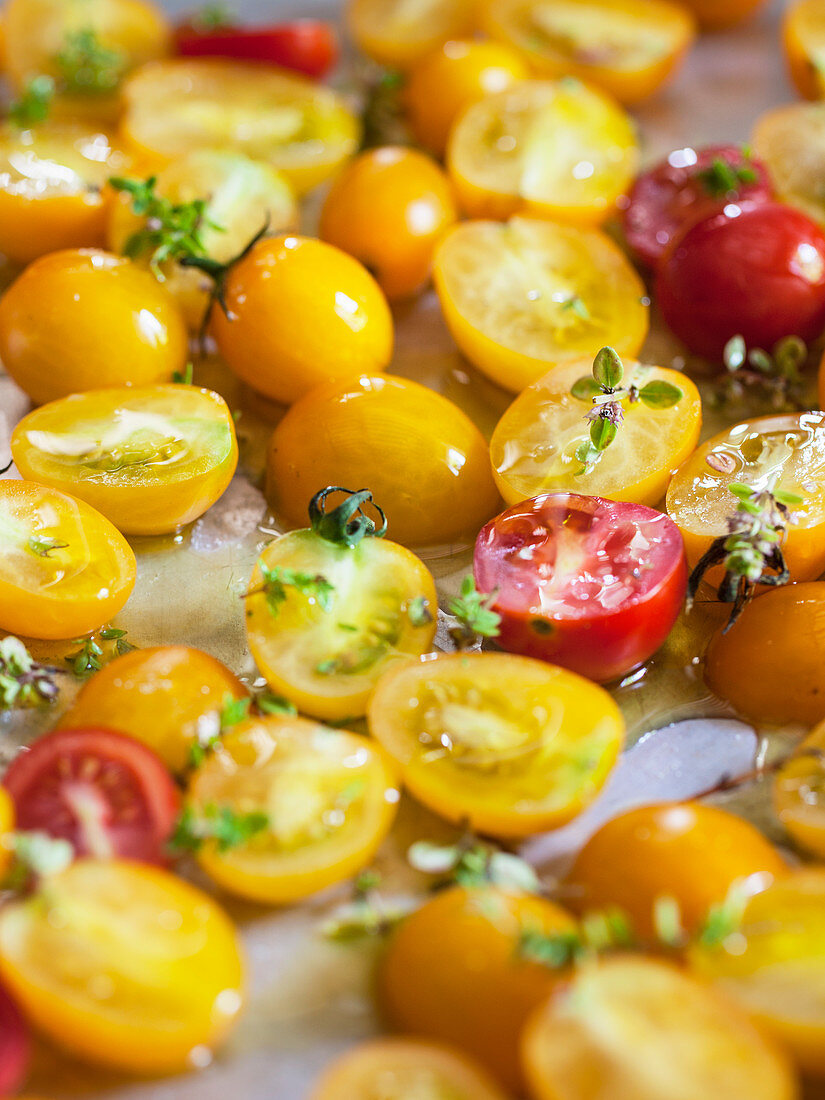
x,y
367,914
88,67
474,613
471,862
23,681
34,104
277,580
775,376
221,824
92,656
213,17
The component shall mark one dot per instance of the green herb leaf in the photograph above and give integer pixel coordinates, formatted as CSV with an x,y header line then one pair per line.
x,y
277,581
576,305
735,354
760,360
24,682
268,703
213,17
86,66
602,433
184,377
418,611
234,711
42,545
667,921
607,368
741,491
474,611
660,395
790,500
722,179
221,824
34,104
555,950
585,389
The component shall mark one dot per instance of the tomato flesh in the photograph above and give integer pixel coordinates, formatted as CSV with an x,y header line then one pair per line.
x,y
307,46
104,792
590,584
14,1045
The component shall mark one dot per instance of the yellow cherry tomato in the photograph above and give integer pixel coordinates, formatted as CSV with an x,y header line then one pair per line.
x,y
296,125
400,1069
327,798
169,697
785,452
149,458
64,569
6,827
300,312
124,965
510,745
774,964
433,479
716,14
628,47
50,187
81,319
326,651
451,77
453,971
798,793
803,38
535,444
523,296
396,33
790,141
768,665
556,149
389,208
241,196
635,1027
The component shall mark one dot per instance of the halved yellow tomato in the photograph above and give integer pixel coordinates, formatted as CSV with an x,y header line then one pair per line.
x,y
556,149
509,745
64,569
293,124
124,965
533,449
397,32
522,296
790,141
799,793
636,1027
328,798
784,452
803,35
149,458
628,47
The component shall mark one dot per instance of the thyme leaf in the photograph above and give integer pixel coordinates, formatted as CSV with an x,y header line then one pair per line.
x,y
475,615
88,67
24,682
221,824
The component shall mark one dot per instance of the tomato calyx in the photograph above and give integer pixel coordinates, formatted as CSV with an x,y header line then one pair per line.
x,y
348,523
474,614
24,682
219,273
723,179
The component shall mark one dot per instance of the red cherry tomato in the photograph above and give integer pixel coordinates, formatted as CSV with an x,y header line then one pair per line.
x,y
14,1046
106,793
756,271
307,46
590,584
685,188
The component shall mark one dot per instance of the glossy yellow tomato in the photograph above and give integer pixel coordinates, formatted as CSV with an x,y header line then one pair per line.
x,y
241,195
328,798
433,479
453,972
769,665
396,33
774,964
784,452
533,449
81,319
717,14
803,36
509,745
628,47
149,458
125,965
790,141
400,1069
556,149
6,827
799,793
389,208
300,312
168,697
637,1028
64,569
50,187
451,77
523,296
296,125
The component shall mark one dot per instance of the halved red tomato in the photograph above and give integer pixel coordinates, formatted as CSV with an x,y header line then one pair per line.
x,y
307,46
104,792
590,584
14,1045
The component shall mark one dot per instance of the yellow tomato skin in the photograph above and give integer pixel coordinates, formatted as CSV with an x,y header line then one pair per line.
x,y
452,972
803,37
82,319
397,35
6,827
167,955
790,141
797,793
715,15
433,480
770,665
158,695
75,588
297,773
454,75
389,208
299,313
649,446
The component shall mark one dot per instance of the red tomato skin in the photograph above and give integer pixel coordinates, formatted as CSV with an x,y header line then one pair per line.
x,y
669,198
601,644
759,274
34,780
307,46
14,1046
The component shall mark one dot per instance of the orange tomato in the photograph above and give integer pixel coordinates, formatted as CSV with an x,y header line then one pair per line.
x,y
687,851
389,208
6,827
81,319
715,15
454,75
300,312
798,790
803,37
164,696
452,971
433,479
396,34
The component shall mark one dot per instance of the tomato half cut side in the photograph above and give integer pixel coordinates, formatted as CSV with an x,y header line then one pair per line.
x,y
307,46
14,1045
590,584
104,792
